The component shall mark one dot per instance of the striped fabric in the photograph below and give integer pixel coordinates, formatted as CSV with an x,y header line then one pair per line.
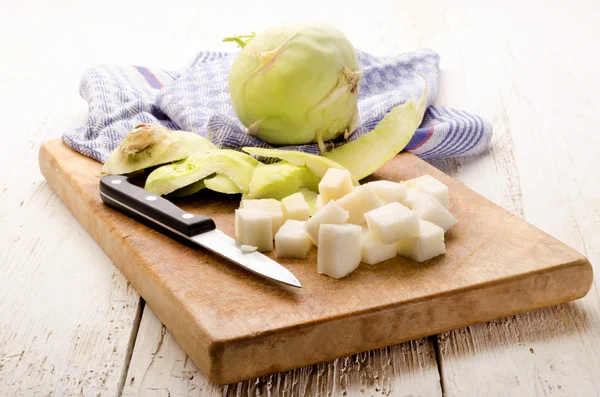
x,y
197,99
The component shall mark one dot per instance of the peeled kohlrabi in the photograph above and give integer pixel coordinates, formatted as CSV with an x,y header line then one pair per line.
x,y
148,145
296,84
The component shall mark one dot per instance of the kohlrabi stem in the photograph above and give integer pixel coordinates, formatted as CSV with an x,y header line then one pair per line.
x,y
241,40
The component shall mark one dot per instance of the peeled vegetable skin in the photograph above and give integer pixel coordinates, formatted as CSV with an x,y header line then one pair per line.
x,y
279,180
319,165
372,150
189,189
171,177
221,183
148,145
296,84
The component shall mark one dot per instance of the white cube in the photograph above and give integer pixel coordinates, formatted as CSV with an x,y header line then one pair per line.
x,y
339,249
319,202
429,209
429,243
254,227
361,200
412,195
335,184
432,186
389,191
374,251
330,213
295,207
392,222
291,241
272,206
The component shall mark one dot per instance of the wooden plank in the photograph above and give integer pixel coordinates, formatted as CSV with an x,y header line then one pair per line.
x,y
159,366
236,325
66,313
543,168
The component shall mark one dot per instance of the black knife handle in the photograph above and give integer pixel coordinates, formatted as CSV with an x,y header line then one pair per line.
x,y
141,204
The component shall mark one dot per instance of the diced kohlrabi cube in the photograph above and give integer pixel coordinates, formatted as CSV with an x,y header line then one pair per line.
x,y
432,186
412,195
374,251
428,244
339,249
429,209
254,227
295,207
335,184
330,213
319,202
361,200
291,241
389,191
392,222
272,206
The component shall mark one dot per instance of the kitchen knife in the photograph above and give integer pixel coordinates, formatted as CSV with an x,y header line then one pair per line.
x,y
142,205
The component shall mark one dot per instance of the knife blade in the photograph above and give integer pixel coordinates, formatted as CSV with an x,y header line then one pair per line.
x,y
144,206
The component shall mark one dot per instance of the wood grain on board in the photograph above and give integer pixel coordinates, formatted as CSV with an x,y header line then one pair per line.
x,y
236,325
159,364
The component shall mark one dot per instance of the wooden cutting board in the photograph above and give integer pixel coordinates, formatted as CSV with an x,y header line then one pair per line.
x,y
236,325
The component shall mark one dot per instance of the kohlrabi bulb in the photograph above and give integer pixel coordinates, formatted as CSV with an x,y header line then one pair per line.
x,y
296,84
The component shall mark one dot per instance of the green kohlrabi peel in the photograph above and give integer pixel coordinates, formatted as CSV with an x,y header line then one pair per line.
x,y
317,164
279,180
372,150
148,145
171,177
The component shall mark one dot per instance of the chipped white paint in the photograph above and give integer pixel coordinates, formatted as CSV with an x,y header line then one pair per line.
x,y
67,315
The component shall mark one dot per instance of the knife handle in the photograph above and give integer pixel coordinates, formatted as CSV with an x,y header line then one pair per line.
x,y
141,204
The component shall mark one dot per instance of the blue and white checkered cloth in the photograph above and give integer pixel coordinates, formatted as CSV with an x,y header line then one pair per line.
x,y
196,99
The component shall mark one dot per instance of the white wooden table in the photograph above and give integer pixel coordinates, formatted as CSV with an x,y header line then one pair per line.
x,y
70,323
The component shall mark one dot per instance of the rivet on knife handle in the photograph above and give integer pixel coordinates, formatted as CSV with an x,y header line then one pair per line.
x,y
116,191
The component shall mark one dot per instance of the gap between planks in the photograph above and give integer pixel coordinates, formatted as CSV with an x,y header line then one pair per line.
x,y
159,366
132,339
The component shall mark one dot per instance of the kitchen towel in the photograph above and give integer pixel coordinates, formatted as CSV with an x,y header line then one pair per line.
x,y
196,99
